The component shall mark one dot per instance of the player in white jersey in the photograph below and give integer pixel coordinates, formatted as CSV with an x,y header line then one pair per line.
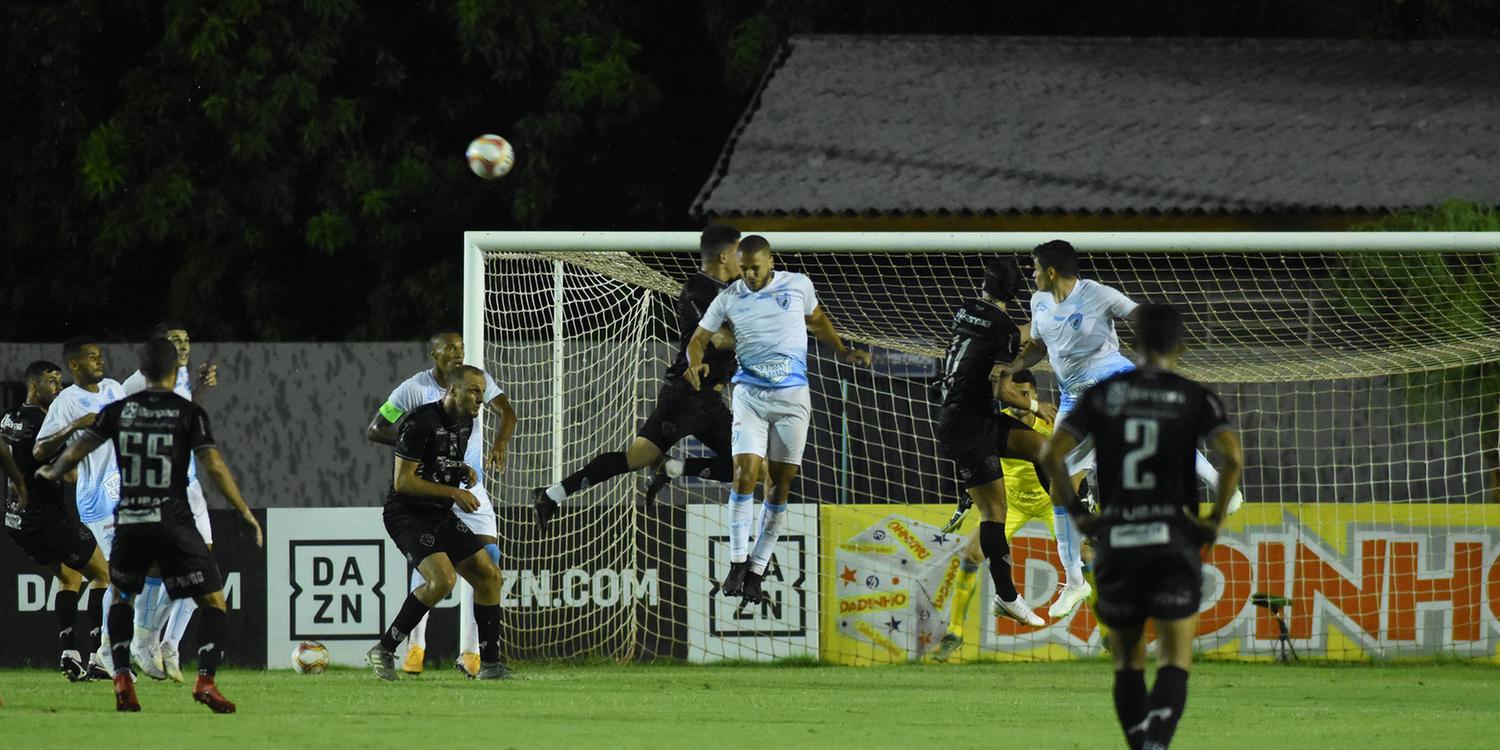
x,y
446,349
1073,324
161,623
771,312
97,489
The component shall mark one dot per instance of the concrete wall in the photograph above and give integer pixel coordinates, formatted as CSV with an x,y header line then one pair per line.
x,y
291,419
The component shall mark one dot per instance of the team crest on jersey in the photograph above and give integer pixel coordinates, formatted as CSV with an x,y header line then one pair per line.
x,y
127,414
428,540
1075,320
784,300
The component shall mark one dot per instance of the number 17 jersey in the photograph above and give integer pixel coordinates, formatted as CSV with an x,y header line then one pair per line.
x,y
154,434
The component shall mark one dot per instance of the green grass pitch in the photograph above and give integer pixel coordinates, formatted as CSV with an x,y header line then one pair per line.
x,y
1065,705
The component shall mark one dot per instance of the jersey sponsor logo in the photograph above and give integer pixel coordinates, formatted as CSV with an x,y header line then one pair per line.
x,y
580,587
771,370
964,316
1139,535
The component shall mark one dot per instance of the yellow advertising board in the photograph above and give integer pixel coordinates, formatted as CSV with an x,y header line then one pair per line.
x,y
1360,581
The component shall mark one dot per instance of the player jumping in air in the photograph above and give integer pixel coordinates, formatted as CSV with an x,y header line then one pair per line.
x,y
154,433
429,386
1145,425
1073,325
771,312
681,410
969,431
1025,499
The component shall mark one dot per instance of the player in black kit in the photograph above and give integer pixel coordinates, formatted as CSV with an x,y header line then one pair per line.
x,y
38,519
429,478
154,433
680,409
972,435
1148,536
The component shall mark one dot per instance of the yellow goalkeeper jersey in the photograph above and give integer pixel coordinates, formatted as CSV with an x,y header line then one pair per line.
x,y
1022,489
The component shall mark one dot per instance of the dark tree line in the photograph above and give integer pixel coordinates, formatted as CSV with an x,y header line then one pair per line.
x,y
292,169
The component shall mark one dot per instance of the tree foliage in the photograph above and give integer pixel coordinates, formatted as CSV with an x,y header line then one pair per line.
x,y
291,169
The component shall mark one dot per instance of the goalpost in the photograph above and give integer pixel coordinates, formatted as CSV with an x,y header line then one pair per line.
x,y
1361,369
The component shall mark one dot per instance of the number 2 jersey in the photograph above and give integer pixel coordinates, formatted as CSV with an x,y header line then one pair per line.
x,y
154,434
1146,426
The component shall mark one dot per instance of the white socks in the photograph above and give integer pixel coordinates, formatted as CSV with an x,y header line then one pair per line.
x,y
772,521
741,514
1206,470
1069,546
468,627
557,493
177,621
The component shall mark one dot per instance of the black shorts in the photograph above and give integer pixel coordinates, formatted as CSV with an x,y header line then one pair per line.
x,y
974,443
65,542
1159,581
681,411
177,549
421,530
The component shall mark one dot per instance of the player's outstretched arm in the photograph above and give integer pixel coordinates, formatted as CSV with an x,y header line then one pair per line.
x,y
84,445
51,444
406,482
213,462
1226,444
495,460
1005,391
13,473
822,327
695,348
1032,352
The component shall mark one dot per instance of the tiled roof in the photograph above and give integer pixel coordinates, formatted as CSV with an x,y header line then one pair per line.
x,y
995,125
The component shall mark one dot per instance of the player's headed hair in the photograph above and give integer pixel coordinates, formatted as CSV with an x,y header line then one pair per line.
x,y
1159,328
436,339
754,244
716,238
158,358
464,371
160,330
1058,255
74,346
1024,376
37,369
1002,278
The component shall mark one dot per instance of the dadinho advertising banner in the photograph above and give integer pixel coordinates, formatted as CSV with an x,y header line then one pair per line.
x,y
1362,581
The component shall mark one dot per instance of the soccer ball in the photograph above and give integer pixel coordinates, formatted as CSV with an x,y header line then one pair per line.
x,y
310,657
490,156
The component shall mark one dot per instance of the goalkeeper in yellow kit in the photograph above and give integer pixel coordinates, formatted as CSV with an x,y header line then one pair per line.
x,y
1024,500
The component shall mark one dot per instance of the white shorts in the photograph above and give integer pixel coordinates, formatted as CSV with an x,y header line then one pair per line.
x,y
771,422
199,505
482,521
104,534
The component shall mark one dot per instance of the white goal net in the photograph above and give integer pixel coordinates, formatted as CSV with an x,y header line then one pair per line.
x,y
1361,369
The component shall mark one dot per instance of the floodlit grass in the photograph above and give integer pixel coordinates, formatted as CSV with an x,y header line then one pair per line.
x,y
1065,705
